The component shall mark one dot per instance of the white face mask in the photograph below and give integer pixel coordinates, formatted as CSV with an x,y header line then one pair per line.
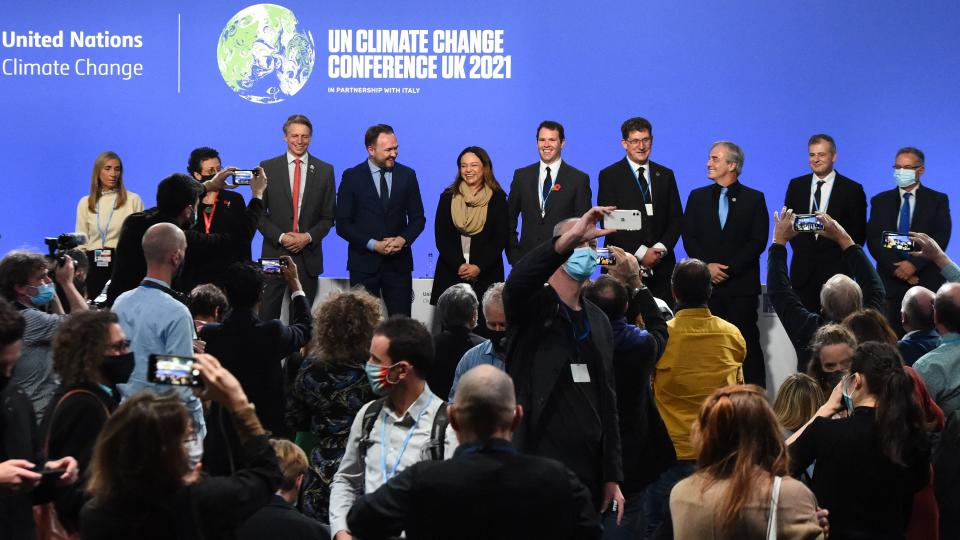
x,y
904,177
194,447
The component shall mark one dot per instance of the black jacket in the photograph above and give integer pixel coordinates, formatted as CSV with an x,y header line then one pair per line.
x,y
539,338
486,247
449,346
281,521
800,323
738,245
229,218
486,491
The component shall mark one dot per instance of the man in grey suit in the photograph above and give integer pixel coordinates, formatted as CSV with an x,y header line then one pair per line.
x,y
299,206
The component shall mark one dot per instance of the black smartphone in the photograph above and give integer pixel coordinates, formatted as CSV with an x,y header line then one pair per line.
x,y
243,177
51,475
173,370
898,242
807,223
272,266
604,258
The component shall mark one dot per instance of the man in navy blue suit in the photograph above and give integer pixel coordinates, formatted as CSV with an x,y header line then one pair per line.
x,y
380,213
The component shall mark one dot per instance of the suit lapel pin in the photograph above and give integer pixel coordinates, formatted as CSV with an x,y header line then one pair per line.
x,y
733,199
556,187
657,174
311,167
226,203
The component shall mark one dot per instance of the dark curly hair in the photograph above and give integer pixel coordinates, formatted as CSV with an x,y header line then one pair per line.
x,y
79,345
343,325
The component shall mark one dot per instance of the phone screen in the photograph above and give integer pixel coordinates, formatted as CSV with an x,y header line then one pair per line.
x,y
243,177
270,266
807,223
173,370
604,258
899,242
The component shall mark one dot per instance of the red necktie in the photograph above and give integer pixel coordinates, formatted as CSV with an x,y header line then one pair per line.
x,y
296,195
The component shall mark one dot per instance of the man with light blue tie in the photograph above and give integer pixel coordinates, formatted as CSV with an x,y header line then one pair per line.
x,y
380,214
725,225
908,207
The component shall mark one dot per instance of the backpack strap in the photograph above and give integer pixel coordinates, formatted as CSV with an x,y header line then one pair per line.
x,y
366,426
438,434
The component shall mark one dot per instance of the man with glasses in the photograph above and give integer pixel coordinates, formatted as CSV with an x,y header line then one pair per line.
x,y
545,193
907,207
636,183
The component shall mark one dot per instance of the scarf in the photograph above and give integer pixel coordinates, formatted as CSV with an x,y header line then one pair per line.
x,y
469,210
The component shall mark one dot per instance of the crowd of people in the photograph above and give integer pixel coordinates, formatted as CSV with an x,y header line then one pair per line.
x,y
547,403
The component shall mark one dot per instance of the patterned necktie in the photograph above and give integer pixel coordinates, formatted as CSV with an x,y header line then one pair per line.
x,y
296,195
723,208
547,186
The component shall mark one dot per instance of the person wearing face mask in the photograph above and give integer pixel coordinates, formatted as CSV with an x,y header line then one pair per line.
x,y
408,424
177,200
100,216
471,228
560,355
92,356
909,207
144,475
494,348
831,351
154,318
25,282
870,463
218,212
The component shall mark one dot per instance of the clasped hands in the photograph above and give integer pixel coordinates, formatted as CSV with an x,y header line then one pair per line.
x,y
295,242
390,245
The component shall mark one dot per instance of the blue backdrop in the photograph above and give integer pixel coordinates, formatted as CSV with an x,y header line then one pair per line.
x,y
877,75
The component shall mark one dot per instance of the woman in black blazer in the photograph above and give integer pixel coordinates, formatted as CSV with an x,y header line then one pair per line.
x,y
471,228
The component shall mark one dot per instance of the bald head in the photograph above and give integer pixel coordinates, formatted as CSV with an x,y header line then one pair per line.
x,y
916,309
840,296
161,241
486,403
946,308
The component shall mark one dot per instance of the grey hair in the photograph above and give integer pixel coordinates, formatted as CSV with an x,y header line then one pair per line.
x,y
561,227
839,297
734,153
917,307
493,295
457,306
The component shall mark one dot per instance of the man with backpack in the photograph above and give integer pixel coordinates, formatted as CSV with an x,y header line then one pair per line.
x,y
407,425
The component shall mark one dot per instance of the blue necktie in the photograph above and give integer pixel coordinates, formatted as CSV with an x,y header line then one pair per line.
x,y
723,208
904,226
547,186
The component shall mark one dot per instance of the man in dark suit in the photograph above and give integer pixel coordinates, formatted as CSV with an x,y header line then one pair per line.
x,y
560,354
916,316
636,183
298,211
545,193
253,349
908,207
725,225
177,198
380,214
815,257
488,490
218,212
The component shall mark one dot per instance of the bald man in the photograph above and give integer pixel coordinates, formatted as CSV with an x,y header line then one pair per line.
x,y
916,316
940,368
488,489
155,319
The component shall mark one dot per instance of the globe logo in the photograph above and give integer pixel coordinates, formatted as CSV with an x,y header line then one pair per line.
x,y
261,55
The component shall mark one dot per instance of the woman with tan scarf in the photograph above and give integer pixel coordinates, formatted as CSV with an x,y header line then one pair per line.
x,y
471,228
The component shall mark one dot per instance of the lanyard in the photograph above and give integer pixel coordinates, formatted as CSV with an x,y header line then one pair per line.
x,y
103,232
645,193
387,473
209,212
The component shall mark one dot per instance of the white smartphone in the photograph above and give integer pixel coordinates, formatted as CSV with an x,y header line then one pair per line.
x,y
623,220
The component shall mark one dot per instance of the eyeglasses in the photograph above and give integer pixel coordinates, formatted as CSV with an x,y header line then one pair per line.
x,y
119,347
910,167
634,142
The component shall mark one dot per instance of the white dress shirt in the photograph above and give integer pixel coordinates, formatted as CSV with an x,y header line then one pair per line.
x,y
554,167
825,191
349,483
635,168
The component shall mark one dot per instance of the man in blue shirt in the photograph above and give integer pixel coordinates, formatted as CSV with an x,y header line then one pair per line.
x,y
492,350
155,319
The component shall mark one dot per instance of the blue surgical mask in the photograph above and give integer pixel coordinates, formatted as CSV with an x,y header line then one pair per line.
x,y
581,264
44,294
904,177
846,397
378,376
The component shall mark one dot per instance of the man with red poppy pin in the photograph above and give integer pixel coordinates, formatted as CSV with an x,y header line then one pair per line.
x,y
545,193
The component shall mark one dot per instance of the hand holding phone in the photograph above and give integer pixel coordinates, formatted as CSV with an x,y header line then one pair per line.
x,y
272,266
605,258
898,242
243,177
623,220
807,223
173,370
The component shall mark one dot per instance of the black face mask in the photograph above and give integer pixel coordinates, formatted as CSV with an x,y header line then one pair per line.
x,y
207,177
498,338
832,379
117,369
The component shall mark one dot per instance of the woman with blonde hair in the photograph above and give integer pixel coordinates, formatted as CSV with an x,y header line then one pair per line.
x,y
797,400
100,215
742,488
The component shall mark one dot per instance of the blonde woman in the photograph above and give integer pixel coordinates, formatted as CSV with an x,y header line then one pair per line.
x,y
100,215
797,401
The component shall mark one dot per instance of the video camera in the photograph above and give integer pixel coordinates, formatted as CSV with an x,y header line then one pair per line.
x,y
57,246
